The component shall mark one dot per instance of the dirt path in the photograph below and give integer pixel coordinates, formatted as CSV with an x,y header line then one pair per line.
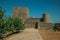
x,y
27,34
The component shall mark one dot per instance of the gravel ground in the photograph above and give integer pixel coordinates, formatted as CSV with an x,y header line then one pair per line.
x,y
27,34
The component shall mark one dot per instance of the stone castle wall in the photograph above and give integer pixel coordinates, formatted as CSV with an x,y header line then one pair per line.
x,y
47,25
23,13
46,18
30,24
40,25
33,20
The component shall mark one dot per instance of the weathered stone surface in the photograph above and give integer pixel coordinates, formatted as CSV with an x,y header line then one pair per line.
x,y
21,12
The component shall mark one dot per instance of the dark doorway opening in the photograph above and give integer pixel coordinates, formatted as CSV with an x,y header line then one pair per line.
x,y
36,25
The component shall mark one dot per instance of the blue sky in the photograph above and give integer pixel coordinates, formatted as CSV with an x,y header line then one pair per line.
x,y
36,8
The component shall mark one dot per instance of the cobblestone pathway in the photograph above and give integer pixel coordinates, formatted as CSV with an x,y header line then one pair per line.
x,y
27,34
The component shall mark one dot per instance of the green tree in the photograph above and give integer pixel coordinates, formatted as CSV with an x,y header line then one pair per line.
x,y
9,24
2,29
1,13
18,24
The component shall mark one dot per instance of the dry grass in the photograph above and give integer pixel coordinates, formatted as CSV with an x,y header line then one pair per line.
x,y
49,34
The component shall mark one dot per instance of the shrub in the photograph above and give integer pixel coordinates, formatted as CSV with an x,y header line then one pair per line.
x,y
18,24
56,27
9,25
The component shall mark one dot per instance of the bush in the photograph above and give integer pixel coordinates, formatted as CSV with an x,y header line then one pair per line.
x,y
18,25
56,27
9,25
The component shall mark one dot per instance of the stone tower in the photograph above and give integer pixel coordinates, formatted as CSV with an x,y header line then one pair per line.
x,y
21,12
46,18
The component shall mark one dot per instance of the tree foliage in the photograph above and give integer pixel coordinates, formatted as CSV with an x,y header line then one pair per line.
x,y
9,25
1,13
18,25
